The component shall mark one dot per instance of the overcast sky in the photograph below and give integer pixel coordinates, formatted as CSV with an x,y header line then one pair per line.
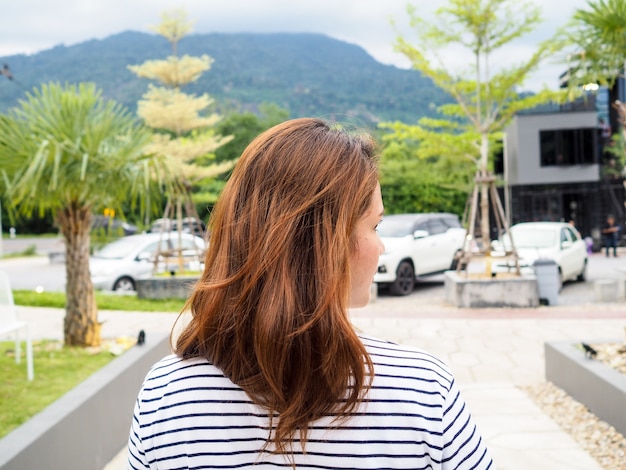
x,y
29,26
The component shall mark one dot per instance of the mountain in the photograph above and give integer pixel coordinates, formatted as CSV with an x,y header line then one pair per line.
x,y
308,74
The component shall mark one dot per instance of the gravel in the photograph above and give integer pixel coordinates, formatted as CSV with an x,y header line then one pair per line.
x,y
598,438
612,354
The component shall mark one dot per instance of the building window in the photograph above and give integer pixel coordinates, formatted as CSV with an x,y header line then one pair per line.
x,y
568,146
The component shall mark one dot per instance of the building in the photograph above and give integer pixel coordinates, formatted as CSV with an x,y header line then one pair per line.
x,y
556,167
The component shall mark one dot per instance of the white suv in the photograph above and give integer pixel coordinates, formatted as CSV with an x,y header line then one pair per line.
x,y
416,245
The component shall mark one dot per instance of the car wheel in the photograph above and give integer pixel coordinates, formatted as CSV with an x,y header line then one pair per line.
x,y
405,279
560,280
124,284
582,277
455,260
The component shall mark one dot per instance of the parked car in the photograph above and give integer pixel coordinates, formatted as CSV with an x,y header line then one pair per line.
x,y
189,224
416,245
112,225
119,264
556,241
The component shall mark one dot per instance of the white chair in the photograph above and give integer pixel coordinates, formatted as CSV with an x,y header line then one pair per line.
x,y
10,324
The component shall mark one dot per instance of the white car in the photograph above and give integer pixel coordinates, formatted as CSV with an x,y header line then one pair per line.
x,y
120,263
556,241
416,245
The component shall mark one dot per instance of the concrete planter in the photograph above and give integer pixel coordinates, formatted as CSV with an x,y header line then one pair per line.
x,y
179,287
56,257
87,426
173,287
599,387
468,292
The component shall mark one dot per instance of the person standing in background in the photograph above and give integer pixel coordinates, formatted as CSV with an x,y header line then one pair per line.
x,y
611,235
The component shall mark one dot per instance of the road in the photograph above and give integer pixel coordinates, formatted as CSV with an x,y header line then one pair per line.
x,y
37,272
42,245
573,293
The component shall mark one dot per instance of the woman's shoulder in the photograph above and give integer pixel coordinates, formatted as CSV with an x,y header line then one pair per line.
x,y
383,348
175,371
392,359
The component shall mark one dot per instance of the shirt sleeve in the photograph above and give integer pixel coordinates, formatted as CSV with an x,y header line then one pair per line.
x,y
136,456
463,446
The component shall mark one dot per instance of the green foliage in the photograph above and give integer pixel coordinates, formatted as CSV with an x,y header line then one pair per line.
x,y
614,168
100,236
245,127
486,97
57,370
410,195
411,184
75,149
597,43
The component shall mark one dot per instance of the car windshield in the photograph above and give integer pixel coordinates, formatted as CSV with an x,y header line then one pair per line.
x,y
531,238
119,248
395,227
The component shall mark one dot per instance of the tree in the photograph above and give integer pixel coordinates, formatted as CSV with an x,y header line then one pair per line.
x,y
77,154
597,51
244,127
598,39
183,136
412,184
485,98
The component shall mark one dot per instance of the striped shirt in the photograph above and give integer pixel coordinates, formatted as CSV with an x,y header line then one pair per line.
x,y
189,416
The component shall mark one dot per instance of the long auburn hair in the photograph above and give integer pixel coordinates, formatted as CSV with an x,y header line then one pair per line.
x,y
271,308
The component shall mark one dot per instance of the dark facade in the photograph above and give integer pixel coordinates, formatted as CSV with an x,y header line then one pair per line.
x,y
587,204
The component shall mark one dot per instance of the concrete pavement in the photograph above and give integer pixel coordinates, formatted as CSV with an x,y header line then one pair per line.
x,y
491,352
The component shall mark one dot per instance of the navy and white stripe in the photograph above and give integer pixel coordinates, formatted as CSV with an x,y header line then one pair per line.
x,y
189,416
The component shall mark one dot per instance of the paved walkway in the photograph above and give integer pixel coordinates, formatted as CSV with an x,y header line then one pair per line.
x,y
491,351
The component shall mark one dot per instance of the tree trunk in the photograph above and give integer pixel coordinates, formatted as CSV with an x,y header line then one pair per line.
x,y
485,234
81,326
179,234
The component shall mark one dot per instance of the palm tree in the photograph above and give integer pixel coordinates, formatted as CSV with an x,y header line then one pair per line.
x,y
77,154
598,37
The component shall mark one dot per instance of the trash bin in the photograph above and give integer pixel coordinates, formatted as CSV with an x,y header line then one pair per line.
x,y
548,280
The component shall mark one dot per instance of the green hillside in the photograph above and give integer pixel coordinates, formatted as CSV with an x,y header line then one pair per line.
x,y
308,74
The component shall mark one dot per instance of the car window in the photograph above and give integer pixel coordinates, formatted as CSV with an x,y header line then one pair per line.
x,y
436,226
189,246
451,222
525,237
564,236
572,234
395,227
119,248
151,249
423,226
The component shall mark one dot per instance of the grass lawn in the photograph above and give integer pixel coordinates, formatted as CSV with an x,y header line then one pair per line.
x,y
103,301
57,370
